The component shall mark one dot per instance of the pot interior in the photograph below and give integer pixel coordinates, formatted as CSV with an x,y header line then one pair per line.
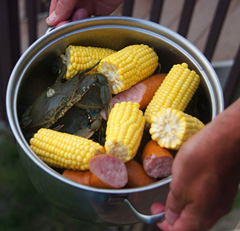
x,y
34,70
38,76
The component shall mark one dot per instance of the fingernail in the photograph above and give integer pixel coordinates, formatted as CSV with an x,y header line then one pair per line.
x,y
171,217
52,18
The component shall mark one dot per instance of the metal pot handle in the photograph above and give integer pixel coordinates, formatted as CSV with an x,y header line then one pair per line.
x,y
49,29
149,219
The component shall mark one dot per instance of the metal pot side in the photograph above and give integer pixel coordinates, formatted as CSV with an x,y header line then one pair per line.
x,y
32,74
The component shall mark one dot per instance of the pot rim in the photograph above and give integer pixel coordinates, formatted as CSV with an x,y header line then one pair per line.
x,y
11,99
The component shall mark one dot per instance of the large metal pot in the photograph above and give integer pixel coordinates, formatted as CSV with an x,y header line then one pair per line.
x,y
31,75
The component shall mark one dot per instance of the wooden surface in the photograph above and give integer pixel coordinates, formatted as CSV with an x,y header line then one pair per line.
x,y
199,27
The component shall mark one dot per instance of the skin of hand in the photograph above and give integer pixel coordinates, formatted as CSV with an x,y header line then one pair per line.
x,y
205,176
62,10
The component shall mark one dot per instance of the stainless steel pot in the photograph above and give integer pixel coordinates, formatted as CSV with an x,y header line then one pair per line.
x,y
32,74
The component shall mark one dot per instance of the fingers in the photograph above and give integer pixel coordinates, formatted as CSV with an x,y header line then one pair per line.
x,y
60,10
61,23
174,207
178,196
80,14
158,208
191,213
171,216
53,6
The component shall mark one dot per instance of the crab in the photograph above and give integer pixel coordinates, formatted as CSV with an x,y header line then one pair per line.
x,y
89,93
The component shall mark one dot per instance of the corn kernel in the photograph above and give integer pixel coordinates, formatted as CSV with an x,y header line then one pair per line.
x,y
172,127
124,134
45,144
176,91
127,66
79,58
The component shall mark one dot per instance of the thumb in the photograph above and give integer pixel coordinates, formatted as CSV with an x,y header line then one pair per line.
x,y
174,206
60,11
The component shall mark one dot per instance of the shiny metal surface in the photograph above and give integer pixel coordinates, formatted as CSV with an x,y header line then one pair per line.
x,y
149,219
32,74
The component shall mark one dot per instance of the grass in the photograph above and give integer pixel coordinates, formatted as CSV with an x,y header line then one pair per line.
x,y
21,207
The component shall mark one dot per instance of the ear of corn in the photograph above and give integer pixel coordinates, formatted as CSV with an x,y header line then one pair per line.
x,y
124,130
128,66
62,150
176,91
171,127
79,58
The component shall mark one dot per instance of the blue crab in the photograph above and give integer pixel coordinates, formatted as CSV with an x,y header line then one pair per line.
x,y
79,100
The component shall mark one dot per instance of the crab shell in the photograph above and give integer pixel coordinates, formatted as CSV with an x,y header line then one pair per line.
x,y
55,101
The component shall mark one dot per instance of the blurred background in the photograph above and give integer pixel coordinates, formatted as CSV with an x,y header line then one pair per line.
x,y
21,207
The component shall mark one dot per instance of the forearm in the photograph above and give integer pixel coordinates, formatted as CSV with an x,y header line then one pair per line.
x,y
224,138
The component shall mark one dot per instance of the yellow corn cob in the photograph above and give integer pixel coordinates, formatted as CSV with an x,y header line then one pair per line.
x,y
62,150
124,130
171,127
128,66
79,58
176,91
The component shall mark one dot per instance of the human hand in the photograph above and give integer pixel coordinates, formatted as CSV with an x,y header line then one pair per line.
x,y
205,176
62,10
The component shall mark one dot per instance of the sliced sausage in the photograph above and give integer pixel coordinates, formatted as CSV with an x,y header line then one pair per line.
x,y
157,161
142,92
109,170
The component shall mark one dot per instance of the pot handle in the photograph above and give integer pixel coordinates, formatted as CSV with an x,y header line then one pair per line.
x,y
149,219
49,29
